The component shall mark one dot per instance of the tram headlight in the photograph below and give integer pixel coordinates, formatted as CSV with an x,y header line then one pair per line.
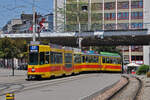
x,y
33,70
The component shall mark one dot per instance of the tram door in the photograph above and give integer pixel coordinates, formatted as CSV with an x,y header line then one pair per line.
x,y
68,61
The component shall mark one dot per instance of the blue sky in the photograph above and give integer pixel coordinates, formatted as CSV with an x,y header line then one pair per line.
x,y
10,9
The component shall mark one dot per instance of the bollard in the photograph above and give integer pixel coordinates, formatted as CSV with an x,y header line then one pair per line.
x,y
10,96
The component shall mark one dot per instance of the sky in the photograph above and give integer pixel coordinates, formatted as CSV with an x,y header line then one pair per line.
x,y
11,9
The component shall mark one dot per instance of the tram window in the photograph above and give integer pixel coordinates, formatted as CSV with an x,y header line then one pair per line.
x,y
86,59
68,57
111,60
52,57
41,58
95,60
55,59
83,59
89,59
119,61
107,60
33,58
103,60
116,61
77,58
47,58
92,59
58,58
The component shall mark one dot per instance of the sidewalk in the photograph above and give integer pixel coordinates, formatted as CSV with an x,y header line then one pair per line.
x,y
8,72
145,93
6,75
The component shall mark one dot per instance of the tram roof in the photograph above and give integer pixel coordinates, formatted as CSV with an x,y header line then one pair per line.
x,y
109,54
55,46
90,53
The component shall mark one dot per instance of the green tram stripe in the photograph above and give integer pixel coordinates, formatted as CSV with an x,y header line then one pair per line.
x,y
109,54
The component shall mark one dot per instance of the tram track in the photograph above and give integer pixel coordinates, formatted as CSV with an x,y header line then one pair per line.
x,y
129,91
128,88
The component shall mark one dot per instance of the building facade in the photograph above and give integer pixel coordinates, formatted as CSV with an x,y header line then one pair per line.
x,y
24,24
48,23
107,15
132,54
100,14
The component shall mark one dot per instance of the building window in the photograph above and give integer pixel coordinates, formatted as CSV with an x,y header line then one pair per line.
x,y
109,6
137,15
71,7
123,5
123,26
137,25
137,58
71,27
137,4
110,16
96,16
96,27
123,16
110,26
96,6
71,17
83,17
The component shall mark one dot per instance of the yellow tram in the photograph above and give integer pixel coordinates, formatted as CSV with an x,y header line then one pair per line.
x,y
50,60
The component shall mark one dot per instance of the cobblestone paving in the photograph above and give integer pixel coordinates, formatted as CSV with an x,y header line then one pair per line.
x,y
129,92
109,92
145,92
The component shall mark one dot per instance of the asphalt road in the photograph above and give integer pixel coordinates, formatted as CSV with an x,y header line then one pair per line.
x,y
68,88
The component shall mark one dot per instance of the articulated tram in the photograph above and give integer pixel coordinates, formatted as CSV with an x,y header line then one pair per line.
x,y
46,61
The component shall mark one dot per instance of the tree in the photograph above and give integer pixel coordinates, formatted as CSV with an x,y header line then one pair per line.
x,y
106,49
8,50
21,46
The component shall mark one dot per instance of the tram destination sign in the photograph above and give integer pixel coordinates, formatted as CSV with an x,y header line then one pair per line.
x,y
34,48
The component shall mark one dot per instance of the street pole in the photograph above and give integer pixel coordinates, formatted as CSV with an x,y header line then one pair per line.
x,y
13,72
123,67
130,54
89,15
34,34
79,26
89,18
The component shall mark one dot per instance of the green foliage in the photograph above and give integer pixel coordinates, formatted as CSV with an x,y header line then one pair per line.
x,y
21,46
106,49
143,69
10,48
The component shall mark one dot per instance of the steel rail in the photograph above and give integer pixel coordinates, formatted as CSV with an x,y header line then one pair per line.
x,y
139,89
135,95
115,93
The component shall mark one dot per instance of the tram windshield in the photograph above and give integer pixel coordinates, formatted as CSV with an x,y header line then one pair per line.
x,y
33,58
